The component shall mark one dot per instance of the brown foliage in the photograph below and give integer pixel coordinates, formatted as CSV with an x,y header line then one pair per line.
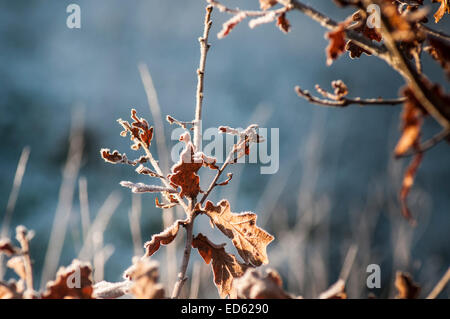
x,y
256,285
72,282
267,4
163,238
140,131
184,173
225,266
6,247
337,43
250,240
145,275
406,287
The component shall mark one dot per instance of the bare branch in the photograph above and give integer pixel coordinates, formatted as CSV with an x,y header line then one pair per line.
x,y
437,34
343,101
204,47
440,285
189,225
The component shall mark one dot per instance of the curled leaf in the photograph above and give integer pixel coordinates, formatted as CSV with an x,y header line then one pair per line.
x,y
250,240
115,157
163,238
225,266
283,23
140,131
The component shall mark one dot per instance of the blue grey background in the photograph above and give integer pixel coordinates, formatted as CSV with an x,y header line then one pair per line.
x,y
48,70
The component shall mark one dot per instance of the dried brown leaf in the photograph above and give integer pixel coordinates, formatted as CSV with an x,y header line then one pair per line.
x,y
283,23
337,43
407,183
225,266
411,123
72,282
256,285
163,238
6,247
140,131
250,240
184,172
267,4
145,275
406,287
115,157
439,49
12,289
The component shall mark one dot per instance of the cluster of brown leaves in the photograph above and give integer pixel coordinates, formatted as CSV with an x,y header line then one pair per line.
x,y
75,281
411,125
250,240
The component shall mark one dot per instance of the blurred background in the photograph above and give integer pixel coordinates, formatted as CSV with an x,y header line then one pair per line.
x,y
336,191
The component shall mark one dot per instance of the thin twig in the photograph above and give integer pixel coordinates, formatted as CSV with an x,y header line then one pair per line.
x,y
216,178
189,226
440,285
204,47
343,101
435,33
315,15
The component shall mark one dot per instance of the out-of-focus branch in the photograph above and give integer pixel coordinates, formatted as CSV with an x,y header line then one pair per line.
x,y
440,285
343,101
430,102
315,15
437,34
